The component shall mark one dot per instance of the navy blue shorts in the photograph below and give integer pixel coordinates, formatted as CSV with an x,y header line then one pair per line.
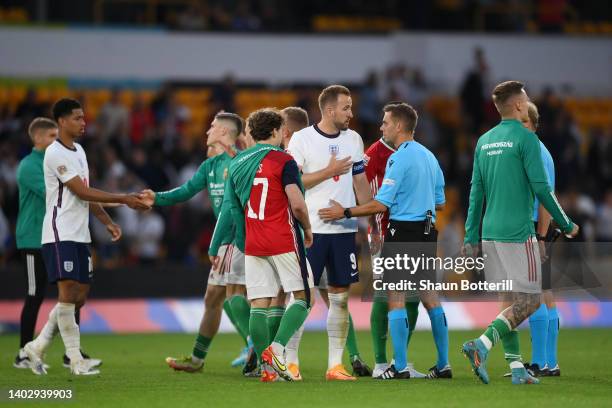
x,y
338,254
68,260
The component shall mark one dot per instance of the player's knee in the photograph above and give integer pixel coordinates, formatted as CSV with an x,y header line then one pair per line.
x,y
338,299
430,299
261,303
68,292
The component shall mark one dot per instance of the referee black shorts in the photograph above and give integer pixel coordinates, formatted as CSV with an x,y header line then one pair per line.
x,y
546,266
408,239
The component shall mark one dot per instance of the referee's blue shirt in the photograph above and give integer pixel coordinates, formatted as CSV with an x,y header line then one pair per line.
x,y
413,183
549,166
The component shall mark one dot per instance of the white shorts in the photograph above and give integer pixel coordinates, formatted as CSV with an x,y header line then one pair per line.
x,y
217,278
518,262
265,275
232,267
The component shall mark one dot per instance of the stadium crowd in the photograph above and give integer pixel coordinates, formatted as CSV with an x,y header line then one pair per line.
x,y
550,16
146,146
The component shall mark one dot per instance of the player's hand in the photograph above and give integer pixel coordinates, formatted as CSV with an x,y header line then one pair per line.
x,y
215,261
334,212
337,167
148,197
543,254
115,231
308,238
467,250
573,232
135,202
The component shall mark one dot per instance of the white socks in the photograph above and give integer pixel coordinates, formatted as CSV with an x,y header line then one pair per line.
x,y
49,331
487,343
69,331
337,327
293,345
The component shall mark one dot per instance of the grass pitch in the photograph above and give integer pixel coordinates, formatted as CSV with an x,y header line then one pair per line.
x,y
134,375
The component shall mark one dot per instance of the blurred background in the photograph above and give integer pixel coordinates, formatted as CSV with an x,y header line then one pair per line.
x,y
151,74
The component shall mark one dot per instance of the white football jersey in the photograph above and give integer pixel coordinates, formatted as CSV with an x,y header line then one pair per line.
x,y
312,149
66,216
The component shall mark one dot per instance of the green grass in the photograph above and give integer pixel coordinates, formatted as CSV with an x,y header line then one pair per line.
x,y
134,375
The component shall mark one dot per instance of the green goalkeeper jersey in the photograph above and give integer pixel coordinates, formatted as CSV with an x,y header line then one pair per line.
x,y
508,172
211,175
31,184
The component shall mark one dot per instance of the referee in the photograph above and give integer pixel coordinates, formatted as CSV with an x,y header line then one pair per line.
x,y
31,185
412,191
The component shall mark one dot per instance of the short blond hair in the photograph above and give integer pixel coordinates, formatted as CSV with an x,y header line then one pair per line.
x,y
39,124
534,115
296,116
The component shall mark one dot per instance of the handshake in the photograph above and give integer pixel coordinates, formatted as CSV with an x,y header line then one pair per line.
x,y
142,201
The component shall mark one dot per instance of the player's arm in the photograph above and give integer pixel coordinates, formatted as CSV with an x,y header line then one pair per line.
x,y
291,183
379,204
363,192
534,168
85,193
60,167
32,178
236,211
440,196
222,234
113,229
185,191
544,220
472,223
544,217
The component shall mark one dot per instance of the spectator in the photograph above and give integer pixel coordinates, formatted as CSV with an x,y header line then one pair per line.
x,y
142,122
224,93
604,219
472,92
150,233
369,109
114,122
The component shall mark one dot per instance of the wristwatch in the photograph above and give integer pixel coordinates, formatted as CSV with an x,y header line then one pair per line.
x,y
347,213
540,237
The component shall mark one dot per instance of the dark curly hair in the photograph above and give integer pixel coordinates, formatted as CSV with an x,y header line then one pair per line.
x,y
263,121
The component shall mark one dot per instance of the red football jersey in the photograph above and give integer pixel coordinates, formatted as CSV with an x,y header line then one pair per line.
x,y
375,161
270,226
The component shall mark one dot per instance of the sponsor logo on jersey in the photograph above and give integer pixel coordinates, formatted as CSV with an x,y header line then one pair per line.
x,y
68,266
496,145
334,150
62,169
390,163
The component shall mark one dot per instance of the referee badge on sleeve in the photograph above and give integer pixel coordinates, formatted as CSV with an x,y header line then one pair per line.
x,y
68,266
